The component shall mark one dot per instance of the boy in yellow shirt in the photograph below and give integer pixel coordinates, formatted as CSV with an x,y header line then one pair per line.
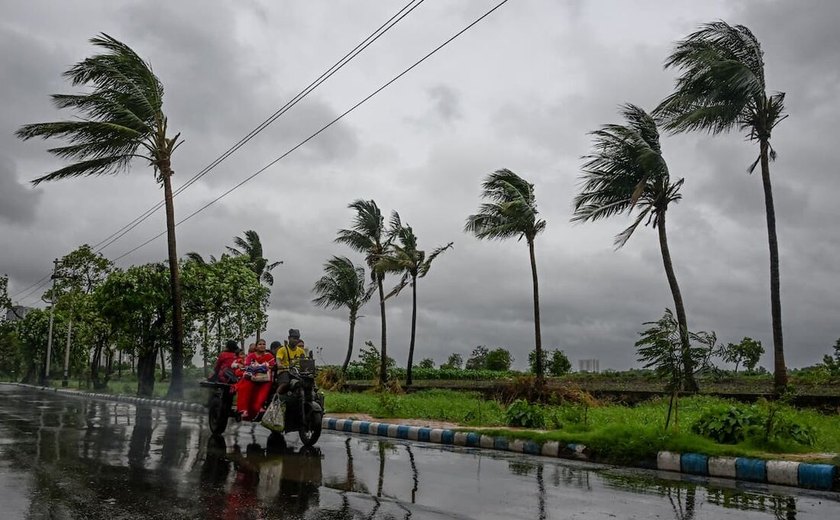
x,y
287,355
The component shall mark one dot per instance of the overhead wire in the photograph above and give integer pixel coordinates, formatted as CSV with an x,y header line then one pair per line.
x,y
318,132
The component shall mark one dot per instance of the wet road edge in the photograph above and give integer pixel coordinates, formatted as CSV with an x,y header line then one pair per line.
x,y
824,477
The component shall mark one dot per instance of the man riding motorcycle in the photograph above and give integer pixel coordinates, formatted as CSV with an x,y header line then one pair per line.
x,y
288,355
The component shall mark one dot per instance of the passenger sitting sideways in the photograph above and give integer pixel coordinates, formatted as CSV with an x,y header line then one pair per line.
x,y
222,370
253,389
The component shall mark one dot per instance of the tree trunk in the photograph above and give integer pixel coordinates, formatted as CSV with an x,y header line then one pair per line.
x,y
408,380
537,334
350,342
689,383
780,379
146,362
383,366
162,364
176,386
119,365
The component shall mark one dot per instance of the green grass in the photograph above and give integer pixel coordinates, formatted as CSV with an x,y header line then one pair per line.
x,y
616,433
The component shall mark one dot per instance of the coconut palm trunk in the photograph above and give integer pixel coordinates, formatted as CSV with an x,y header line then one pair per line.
x,y
383,366
537,332
408,378
689,383
779,367
176,386
350,343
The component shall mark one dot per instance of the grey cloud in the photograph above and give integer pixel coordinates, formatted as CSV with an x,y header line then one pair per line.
x,y
18,202
446,102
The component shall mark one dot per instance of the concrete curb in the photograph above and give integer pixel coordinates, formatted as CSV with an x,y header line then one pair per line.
x,y
162,403
786,473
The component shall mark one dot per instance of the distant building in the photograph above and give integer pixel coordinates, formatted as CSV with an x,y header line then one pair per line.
x,y
17,313
588,365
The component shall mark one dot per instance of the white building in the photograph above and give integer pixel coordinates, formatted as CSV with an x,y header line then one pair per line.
x,y
588,365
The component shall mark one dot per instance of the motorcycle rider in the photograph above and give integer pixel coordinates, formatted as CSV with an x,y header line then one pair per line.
x,y
287,355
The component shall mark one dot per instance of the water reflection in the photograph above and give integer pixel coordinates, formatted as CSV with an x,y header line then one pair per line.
x,y
683,496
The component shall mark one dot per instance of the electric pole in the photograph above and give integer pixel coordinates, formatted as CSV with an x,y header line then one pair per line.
x,y
45,380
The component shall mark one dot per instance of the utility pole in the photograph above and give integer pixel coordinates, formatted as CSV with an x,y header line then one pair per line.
x,y
45,380
64,380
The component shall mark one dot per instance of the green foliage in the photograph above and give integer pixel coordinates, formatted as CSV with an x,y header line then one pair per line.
x,y
478,359
368,364
251,248
524,414
555,361
728,425
760,424
454,361
832,363
498,360
747,353
427,364
5,301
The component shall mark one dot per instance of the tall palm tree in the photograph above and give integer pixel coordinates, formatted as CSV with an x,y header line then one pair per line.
x,y
404,257
343,285
252,248
627,172
367,235
512,212
721,87
121,119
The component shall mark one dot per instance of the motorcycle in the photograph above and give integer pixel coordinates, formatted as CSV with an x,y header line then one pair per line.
x,y
304,404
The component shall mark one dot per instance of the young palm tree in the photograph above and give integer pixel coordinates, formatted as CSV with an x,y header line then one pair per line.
x,y
405,258
512,212
721,87
121,118
343,285
627,172
251,247
367,235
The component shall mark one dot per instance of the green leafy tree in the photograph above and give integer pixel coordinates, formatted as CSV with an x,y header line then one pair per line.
x,y
427,364
32,333
627,173
454,361
511,212
136,302
367,235
478,359
370,360
832,362
404,257
251,247
555,360
5,301
121,119
747,352
661,348
721,87
498,360
343,285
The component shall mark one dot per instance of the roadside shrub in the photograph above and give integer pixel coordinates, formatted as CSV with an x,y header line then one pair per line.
x,y
522,413
329,378
729,425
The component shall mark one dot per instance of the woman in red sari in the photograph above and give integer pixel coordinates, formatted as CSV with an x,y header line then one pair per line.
x,y
252,394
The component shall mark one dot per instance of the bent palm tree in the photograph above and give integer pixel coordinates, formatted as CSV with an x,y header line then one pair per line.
x,y
343,285
512,212
121,119
722,87
367,235
252,248
627,172
405,258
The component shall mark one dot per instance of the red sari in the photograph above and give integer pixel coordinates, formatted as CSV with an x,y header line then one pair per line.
x,y
251,395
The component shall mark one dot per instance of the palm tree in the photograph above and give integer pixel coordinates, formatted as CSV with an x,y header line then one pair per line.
x,y
627,172
367,235
343,285
251,247
121,118
721,87
405,258
512,212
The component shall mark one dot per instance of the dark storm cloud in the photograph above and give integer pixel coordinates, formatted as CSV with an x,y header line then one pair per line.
x,y
519,91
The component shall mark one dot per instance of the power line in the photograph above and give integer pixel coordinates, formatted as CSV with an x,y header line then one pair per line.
x,y
358,49
338,65
322,129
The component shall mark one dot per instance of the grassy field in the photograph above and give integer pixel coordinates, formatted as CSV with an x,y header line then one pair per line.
x,y
616,433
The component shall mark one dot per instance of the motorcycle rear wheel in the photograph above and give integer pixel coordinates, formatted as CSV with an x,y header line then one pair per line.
x,y
217,415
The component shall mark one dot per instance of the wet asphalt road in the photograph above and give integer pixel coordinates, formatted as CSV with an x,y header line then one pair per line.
x,y
64,457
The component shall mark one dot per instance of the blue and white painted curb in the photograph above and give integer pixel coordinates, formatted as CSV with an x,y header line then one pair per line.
x,y
787,473
162,403
782,472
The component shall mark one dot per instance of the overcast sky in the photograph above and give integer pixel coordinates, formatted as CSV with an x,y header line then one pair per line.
x,y
519,91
